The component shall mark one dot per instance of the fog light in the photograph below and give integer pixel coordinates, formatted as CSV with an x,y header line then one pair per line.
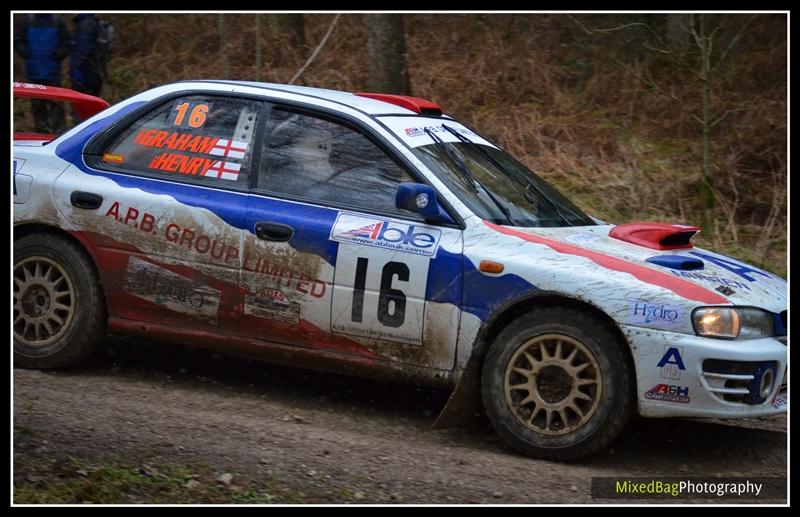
x,y
767,382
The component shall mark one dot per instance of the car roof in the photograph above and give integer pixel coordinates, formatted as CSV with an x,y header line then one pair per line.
x,y
369,106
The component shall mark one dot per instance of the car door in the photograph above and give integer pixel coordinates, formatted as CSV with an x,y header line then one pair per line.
x,y
161,200
341,268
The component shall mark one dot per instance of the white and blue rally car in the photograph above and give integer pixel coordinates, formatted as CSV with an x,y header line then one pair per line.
x,y
373,234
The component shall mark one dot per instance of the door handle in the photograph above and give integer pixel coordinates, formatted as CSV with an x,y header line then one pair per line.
x,y
274,231
85,200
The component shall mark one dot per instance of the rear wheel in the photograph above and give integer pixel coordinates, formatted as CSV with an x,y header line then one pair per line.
x,y
59,311
556,384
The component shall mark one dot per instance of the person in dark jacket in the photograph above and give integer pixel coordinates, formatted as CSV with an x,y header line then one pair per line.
x,y
85,64
44,41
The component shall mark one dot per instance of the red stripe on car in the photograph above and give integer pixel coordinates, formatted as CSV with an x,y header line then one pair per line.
x,y
678,286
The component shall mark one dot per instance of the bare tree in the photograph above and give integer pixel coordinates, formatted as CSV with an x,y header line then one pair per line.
x,y
223,40
386,49
706,42
258,47
706,39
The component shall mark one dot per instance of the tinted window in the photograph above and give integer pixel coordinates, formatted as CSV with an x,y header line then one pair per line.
x,y
320,160
205,138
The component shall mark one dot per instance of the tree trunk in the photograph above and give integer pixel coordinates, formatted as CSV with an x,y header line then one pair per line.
x,y
707,184
258,48
223,40
386,50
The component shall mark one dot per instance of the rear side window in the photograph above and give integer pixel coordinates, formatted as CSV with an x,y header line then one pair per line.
x,y
320,160
204,138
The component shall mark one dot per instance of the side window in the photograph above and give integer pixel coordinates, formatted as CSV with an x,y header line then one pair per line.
x,y
320,160
203,137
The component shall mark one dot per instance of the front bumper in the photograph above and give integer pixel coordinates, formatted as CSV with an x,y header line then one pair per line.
x,y
681,375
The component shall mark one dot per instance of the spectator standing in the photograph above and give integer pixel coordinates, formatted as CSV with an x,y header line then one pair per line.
x,y
44,41
86,61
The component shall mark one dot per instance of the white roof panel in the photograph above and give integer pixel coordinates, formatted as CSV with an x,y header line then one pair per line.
x,y
370,106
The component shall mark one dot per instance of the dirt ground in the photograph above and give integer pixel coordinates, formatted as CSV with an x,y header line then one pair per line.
x,y
319,438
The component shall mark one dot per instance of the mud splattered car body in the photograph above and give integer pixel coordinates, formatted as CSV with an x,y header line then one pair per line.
x,y
371,234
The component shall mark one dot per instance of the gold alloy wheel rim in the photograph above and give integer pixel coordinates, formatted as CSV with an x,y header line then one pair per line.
x,y
553,384
44,301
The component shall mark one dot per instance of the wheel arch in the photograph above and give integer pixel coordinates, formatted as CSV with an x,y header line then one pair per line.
x,y
465,400
514,309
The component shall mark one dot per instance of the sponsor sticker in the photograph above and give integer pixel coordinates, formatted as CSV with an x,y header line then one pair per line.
x,y
379,333
421,130
171,290
113,158
671,362
387,234
272,304
31,85
643,312
713,278
724,289
668,393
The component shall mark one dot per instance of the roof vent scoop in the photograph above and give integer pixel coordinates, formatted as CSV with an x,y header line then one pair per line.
x,y
657,236
415,104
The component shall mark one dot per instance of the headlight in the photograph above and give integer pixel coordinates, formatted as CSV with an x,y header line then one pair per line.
x,y
730,323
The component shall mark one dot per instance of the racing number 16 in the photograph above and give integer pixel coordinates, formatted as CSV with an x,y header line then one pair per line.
x,y
197,117
397,316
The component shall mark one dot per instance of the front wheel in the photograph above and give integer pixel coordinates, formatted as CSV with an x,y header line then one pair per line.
x,y
556,384
59,310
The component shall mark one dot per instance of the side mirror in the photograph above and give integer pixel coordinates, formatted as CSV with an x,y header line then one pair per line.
x,y
421,199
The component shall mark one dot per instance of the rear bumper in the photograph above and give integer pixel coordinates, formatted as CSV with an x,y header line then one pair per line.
x,y
681,375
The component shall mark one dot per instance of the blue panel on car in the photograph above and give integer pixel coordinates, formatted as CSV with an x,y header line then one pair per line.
x,y
677,262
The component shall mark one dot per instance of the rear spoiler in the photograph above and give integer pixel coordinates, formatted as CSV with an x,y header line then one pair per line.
x,y
84,105
33,137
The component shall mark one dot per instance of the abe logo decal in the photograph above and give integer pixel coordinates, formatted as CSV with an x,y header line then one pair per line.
x,y
383,233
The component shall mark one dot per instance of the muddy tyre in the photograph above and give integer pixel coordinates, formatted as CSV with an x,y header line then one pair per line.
x,y
557,385
59,312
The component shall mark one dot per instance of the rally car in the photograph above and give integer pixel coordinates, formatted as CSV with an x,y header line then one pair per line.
x,y
375,235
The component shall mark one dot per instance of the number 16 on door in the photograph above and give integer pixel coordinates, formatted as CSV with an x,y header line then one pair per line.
x,y
379,294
